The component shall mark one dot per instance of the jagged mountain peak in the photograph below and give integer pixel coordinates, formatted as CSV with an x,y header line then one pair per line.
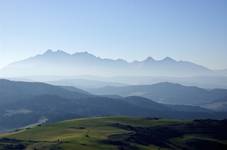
x,y
48,51
168,59
84,53
51,52
59,51
149,59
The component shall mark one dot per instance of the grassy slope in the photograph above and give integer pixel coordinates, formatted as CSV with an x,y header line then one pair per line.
x,y
84,134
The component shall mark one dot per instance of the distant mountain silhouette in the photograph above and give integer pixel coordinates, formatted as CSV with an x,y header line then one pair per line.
x,y
165,92
23,103
62,63
217,105
85,83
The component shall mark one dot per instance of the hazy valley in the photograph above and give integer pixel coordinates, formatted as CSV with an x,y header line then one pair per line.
x,y
38,91
113,75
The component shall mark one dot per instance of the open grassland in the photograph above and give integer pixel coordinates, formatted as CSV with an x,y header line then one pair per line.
x,y
123,133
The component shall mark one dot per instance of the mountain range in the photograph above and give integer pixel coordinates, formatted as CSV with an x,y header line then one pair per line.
x,y
168,93
25,103
83,63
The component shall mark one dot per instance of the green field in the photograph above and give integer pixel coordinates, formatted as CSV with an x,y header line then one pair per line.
x,y
113,133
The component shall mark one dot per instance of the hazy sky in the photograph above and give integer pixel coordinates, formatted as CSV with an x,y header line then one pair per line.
x,y
194,30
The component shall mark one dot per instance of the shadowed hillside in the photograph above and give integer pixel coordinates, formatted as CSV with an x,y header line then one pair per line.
x,y
26,103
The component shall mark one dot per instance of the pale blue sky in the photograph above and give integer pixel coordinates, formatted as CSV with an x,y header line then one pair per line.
x,y
193,30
